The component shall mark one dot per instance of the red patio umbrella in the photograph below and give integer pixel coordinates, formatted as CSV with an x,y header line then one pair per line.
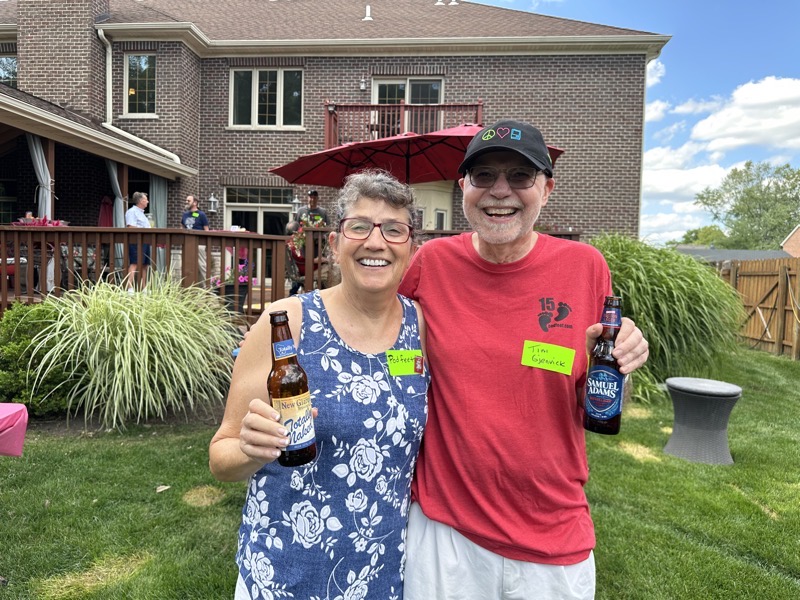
x,y
410,157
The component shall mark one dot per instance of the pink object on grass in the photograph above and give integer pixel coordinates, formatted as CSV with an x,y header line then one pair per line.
x,y
13,424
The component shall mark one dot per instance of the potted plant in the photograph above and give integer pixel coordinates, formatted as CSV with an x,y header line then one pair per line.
x,y
227,287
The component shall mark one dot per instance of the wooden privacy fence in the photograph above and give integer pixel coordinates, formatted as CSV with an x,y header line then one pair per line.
x,y
770,291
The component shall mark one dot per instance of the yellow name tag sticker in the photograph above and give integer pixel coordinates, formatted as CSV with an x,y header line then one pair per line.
x,y
548,356
405,362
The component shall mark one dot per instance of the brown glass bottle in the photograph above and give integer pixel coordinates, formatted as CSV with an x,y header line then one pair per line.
x,y
604,382
288,391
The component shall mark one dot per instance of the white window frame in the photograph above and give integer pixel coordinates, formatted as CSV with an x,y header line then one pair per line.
x,y
407,80
439,214
259,209
376,82
137,115
279,126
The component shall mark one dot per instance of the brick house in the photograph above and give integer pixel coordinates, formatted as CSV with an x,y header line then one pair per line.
x,y
791,243
205,97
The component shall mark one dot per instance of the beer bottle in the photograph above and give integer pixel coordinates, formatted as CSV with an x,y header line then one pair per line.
x,y
288,391
603,400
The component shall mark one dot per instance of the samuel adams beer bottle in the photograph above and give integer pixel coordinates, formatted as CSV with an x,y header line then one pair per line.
x,y
288,391
603,402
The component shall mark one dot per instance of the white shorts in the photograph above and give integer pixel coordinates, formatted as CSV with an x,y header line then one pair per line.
x,y
442,564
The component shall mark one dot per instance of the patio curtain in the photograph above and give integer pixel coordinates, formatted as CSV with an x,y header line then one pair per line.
x,y
42,175
119,211
158,207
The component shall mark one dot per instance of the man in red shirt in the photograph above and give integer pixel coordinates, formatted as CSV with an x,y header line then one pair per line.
x,y
500,509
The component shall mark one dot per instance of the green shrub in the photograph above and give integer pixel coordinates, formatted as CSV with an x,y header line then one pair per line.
x,y
127,357
20,323
687,313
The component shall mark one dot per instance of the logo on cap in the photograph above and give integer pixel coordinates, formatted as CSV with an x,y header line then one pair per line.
x,y
501,132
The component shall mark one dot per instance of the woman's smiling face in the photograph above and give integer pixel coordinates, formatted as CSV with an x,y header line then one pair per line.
x,y
372,264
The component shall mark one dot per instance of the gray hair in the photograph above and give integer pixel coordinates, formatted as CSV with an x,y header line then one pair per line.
x,y
137,197
375,184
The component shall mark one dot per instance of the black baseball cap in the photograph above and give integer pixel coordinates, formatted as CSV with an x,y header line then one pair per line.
x,y
313,193
516,136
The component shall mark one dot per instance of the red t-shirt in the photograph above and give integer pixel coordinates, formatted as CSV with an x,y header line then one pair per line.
x,y
503,459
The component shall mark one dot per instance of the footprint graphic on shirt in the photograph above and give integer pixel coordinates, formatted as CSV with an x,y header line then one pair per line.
x,y
544,320
563,310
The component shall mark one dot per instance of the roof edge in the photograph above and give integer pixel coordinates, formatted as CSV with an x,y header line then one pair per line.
x,y
8,32
205,47
791,233
36,120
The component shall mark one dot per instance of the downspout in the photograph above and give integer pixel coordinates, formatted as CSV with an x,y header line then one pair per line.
x,y
110,109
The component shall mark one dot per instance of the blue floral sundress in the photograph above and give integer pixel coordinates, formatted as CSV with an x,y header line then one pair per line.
x,y
335,528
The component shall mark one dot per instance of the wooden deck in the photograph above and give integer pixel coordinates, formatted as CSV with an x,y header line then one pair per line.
x,y
37,261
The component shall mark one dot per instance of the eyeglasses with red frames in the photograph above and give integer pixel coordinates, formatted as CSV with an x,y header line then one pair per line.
x,y
394,232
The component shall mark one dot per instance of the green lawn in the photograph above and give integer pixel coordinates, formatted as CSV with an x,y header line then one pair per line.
x,y
668,528
81,517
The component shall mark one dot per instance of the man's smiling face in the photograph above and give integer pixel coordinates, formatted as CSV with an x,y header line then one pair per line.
x,y
501,214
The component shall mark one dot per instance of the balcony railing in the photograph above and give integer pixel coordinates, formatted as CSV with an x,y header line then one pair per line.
x,y
346,123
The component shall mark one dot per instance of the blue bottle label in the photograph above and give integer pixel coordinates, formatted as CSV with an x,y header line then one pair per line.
x,y
284,349
603,393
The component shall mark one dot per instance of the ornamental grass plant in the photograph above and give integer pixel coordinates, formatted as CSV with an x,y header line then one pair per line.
x,y
689,315
132,357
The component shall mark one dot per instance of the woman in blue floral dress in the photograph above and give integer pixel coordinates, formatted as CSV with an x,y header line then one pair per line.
x,y
334,529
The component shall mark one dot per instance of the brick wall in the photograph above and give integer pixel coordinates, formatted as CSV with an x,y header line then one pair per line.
x,y
60,58
591,106
178,98
792,245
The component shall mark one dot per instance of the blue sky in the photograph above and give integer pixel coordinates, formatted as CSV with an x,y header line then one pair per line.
x,y
726,89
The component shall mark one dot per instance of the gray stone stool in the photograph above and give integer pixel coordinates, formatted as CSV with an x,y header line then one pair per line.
x,y
702,408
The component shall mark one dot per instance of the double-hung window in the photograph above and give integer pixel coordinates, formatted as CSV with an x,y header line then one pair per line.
x,y
140,83
8,70
266,98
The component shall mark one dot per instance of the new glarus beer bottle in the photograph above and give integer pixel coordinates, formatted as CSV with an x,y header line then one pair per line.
x,y
603,401
288,391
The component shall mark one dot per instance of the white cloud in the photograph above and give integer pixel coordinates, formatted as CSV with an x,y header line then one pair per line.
x,y
663,227
655,110
667,221
681,184
696,107
683,207
668,133
778,160
763,113
666,157
655,71
670,182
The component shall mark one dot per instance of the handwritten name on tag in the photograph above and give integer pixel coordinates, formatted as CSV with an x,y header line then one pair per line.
x,y
548,356
405,362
